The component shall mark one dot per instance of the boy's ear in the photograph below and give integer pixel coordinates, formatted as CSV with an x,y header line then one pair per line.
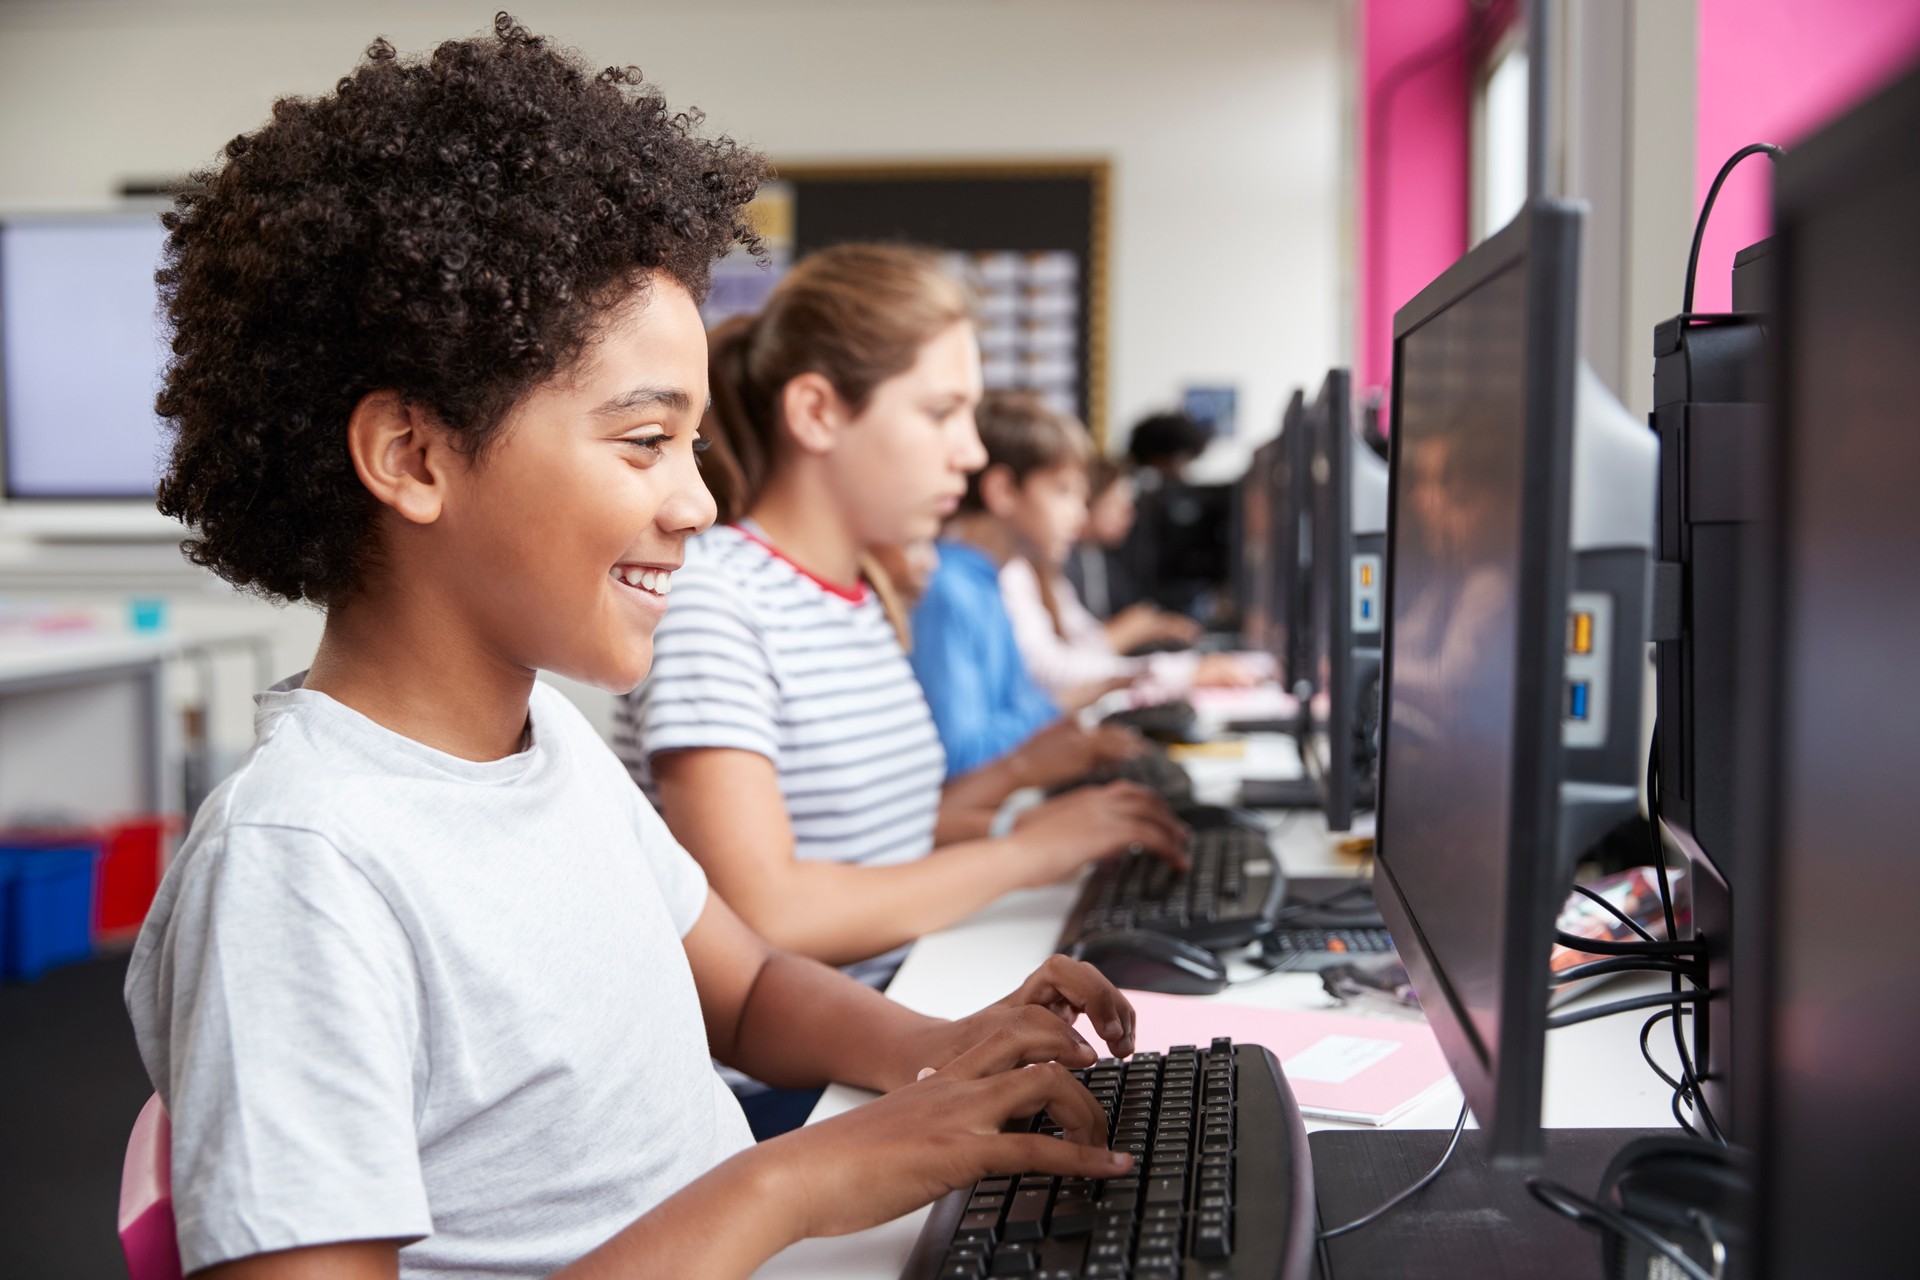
x,y
401,454
813,411
999,491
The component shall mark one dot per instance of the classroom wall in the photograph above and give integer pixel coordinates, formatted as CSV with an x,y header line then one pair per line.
x,y
1775,71
1416,70
1221,118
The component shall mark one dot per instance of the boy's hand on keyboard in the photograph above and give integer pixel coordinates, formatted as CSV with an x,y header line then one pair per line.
x,y
944,1131
1035,1023
1069,831
1069,988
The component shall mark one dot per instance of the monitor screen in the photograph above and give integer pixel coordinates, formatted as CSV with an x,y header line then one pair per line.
x,y
1255,580
82,349
1460,432
1476,617
1330,637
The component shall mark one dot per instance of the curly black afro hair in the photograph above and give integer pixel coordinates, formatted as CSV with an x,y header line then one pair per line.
x,y
451,228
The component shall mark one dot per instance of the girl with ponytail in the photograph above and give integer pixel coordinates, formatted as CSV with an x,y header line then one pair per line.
x,y
781,732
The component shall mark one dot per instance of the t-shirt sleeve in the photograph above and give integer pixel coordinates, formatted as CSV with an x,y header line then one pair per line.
x,y
683,885
948,643
279,1017
711,683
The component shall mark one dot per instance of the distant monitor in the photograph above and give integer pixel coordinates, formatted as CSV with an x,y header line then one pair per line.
x,y
1469,872
1292,544
1347,579
1255,574
1829,968
82,352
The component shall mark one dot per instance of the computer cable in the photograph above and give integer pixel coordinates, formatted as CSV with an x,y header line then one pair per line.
x,y
1652,946
1596,1216
1602,947
1620,964
1694,1092
1374,1215
1706,208
1628,1005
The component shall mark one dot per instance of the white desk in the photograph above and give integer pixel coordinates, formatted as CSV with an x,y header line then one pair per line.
x,y
1595,1077
84,729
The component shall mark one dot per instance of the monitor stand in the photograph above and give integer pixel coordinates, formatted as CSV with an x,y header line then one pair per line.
x,y
1473,1221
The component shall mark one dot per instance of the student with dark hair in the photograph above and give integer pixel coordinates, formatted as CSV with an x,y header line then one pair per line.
x,y
429,989
1166,442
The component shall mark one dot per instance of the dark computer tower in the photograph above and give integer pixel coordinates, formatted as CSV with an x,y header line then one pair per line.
x,y
1711,385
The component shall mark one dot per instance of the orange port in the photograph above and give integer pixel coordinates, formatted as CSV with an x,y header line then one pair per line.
x,y
1581,641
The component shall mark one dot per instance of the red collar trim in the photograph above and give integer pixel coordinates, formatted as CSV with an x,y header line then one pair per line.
x,y
855,594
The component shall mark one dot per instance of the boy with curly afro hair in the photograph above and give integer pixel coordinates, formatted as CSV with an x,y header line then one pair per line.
x,y
430,990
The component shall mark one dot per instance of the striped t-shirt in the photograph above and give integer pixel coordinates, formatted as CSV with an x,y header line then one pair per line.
x,y
755,654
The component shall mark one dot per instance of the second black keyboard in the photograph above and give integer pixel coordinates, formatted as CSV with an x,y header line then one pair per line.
x,y
1228,897
1222,1185
1152,769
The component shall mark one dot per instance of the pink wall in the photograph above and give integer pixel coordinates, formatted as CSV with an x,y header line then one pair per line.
x,y
1414,150
1774,71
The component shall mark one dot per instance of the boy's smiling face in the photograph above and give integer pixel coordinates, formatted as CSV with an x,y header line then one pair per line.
x,y
558,544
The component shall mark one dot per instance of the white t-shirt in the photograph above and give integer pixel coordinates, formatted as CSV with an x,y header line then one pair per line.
x,y
389,993
756,655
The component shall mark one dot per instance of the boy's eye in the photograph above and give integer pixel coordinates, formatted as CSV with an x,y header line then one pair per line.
x,y
652,444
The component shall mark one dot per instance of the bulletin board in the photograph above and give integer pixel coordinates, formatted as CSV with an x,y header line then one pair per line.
x,y
1030,238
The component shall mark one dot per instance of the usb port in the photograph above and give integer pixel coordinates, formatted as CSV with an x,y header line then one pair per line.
x,y
1579,692
1366,575
1366,611
1580,633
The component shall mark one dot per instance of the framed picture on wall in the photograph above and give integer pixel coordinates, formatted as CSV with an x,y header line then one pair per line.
x,y
1030,238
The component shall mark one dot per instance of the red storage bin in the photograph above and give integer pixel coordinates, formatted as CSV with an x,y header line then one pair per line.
x,y
130,868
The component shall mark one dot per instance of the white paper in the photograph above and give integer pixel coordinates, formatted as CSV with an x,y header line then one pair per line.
x,y
1337,1059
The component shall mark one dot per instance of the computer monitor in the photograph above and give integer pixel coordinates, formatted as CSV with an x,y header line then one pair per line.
x,y
1346,578
1469,873
1292,545
83,347
1828,967
1255,575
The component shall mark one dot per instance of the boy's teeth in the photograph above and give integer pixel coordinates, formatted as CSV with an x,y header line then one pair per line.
x,y
656,581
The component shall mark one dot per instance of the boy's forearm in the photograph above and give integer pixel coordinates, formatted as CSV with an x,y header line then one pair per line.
x,y
721,1226
805,1024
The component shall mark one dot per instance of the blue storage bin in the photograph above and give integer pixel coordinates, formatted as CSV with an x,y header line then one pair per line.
x,y
46,900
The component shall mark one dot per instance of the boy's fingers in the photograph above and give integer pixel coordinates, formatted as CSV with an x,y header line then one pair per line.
x,y
1082,989
1049,1087
1032,1153
1040,1037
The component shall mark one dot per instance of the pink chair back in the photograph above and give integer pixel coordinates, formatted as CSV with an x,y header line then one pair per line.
x,y
146,1198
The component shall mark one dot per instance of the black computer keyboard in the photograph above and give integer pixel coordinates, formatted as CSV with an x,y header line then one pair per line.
x,y
1151,769
1222,1186
1174,721
1306,949
1228,897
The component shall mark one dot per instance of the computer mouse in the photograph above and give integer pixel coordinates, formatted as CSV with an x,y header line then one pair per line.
x,y
1214,817
1153,962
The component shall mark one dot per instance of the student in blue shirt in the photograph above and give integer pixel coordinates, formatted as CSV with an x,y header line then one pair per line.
x,y
983,700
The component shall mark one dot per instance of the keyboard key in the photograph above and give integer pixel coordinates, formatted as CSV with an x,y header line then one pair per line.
x,y
1016,1260
1027,1215
985,1220
1165,1191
